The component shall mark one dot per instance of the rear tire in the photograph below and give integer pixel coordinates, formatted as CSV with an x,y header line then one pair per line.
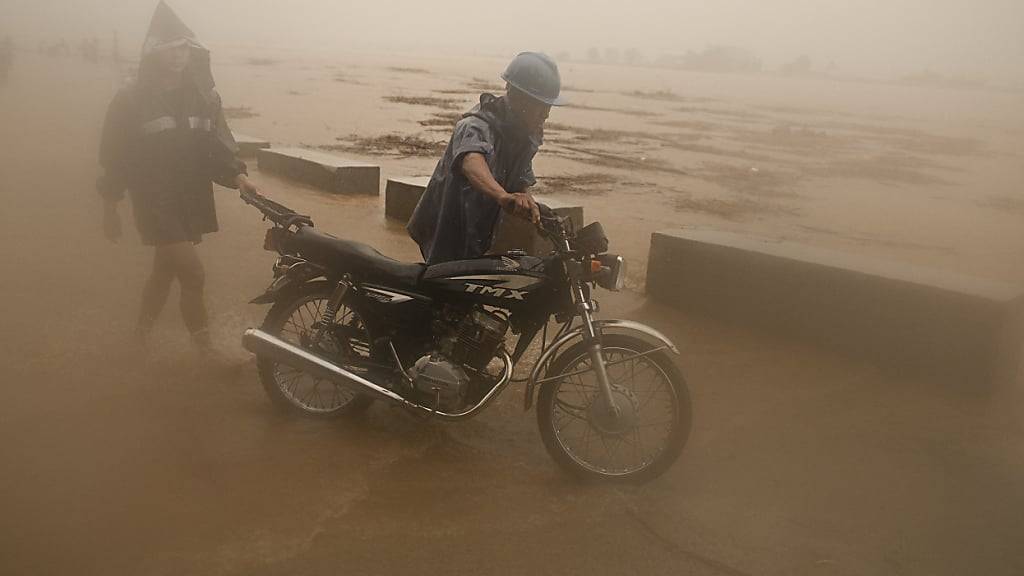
x,y
293,391
560,407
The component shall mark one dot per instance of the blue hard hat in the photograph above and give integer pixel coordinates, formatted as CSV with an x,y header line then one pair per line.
x,y
535,74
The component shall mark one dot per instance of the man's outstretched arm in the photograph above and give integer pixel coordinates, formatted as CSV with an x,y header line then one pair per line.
x,y
475,169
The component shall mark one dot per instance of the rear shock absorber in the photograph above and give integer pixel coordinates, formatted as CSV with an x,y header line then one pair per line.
x,y
331,311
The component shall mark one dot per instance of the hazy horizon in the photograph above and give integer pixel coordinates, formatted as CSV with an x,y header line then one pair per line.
x,y
875,38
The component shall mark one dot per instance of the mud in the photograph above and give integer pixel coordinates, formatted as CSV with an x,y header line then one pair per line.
x,y
627,111
433,102
441,120
588,183
408,70
800,462
664,96
484,85
390,144
735,209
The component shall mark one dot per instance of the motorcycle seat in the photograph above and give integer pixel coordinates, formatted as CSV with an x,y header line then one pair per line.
x,y
360,260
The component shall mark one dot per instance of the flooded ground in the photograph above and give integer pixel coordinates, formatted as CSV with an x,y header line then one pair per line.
x,y
799,462
900,172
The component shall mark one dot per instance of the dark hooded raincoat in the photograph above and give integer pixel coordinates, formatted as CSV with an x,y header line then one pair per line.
x,y
167,147
452,220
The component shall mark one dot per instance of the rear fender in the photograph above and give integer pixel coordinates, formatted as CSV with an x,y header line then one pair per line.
x,y
642,331
287,278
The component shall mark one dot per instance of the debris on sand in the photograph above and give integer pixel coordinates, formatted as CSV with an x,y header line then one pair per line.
x,y
408,70
571,88
733,209
583,135
345,79
390,144
587,183
1004,203
239,113
726,114
661,95
625,161
626,111
440,120
484,85
434,102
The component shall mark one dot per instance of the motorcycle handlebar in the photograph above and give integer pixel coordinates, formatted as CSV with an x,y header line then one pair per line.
x,y
276,213
552,225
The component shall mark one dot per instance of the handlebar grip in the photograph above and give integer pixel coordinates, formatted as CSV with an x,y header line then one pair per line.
x,y
249,197
545,212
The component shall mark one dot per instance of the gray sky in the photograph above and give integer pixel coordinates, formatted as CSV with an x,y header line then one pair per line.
x,y
874,37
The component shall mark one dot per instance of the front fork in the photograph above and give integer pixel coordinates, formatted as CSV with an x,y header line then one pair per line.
x,y
593,340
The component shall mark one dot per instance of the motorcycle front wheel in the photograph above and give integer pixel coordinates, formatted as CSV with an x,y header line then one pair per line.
x,y
292,319
654,421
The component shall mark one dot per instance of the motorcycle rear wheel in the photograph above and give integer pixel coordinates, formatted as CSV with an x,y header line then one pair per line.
x,y
294,391
635,448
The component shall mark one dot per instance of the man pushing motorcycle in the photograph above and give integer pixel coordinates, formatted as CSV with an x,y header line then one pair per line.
x,y
348,325
488,165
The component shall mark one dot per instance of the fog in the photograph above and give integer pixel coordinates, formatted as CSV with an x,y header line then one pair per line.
x,y
872,38
820,204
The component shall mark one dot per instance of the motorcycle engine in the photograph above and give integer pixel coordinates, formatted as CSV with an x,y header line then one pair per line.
x,y
437,378
470,343
476,339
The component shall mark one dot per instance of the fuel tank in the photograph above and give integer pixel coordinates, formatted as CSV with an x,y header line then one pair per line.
x,y
503,281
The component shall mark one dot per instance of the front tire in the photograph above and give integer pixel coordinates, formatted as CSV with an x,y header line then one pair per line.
x,y
637,447
291,319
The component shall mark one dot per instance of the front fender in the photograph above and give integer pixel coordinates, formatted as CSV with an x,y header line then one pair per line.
x,y
627,326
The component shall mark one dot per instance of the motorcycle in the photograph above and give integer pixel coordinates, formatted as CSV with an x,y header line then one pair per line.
x,y
349,325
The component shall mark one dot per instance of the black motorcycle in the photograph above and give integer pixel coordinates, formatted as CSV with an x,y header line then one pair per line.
x,y
349,325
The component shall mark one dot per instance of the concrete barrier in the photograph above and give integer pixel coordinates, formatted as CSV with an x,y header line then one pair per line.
x,y
516,233
401,196
321,170
249,145
945,324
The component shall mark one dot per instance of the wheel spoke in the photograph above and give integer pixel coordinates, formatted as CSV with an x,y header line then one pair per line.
x,y
306,392
639,381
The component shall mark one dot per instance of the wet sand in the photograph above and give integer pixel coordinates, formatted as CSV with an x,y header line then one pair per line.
x,y
799,463
906,173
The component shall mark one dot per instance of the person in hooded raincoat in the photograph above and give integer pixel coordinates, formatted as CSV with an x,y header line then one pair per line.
x,y
487,166
165,141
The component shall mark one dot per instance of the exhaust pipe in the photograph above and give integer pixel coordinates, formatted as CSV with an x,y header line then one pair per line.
x,y
262,344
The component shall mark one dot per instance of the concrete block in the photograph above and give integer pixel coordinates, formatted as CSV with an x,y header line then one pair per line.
x,y
324,171
945,324
248,145
401,196
516,233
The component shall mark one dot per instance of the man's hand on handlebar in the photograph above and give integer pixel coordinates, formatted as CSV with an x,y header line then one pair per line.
x,y
245,186
521,204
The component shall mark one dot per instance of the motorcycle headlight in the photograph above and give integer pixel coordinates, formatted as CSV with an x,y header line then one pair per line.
x,y
615,277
